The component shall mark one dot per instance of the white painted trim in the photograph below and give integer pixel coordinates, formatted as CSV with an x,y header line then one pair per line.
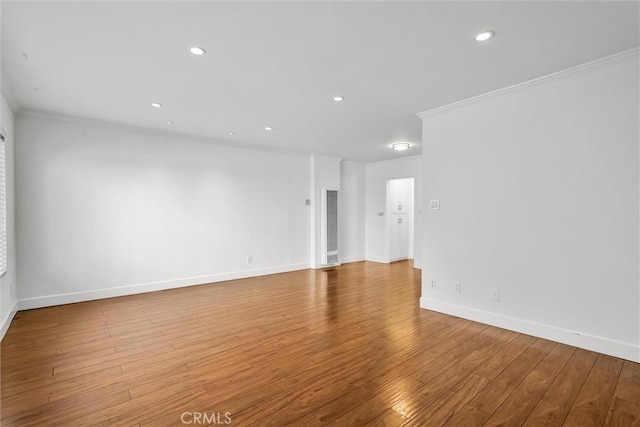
x,y
323,266
624,350
348,259
73,297
559,74
379,259
6,322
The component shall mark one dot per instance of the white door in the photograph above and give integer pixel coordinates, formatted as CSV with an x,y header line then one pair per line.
x,y
399,236
400,225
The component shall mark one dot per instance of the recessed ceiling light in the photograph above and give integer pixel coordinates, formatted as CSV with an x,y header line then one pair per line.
x,y
169,122
196,50
338,98
156,105
268,128
231,133
484,36
401,146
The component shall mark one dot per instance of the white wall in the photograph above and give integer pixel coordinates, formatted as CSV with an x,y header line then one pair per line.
x,y
108,210
377,241
538,190
8,288
352,202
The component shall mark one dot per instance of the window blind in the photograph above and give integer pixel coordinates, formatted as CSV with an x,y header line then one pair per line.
x,y
3,208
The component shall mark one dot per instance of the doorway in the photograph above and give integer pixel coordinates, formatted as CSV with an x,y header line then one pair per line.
x,y
400,206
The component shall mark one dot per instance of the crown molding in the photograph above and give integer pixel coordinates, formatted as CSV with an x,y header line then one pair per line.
x,y
539,80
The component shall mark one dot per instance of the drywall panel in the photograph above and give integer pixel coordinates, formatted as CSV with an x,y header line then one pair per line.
x,y
538,190
107,210
352,202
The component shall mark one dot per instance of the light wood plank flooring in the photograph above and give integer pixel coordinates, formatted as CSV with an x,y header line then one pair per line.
x,y
343,347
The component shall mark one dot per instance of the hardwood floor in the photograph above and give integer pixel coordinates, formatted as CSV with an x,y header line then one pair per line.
x,y
343,347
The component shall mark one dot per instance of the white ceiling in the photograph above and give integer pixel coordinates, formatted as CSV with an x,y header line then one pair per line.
x,y
280,64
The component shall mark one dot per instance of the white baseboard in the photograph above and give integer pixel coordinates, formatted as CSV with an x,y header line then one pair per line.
x,y
624,350
348,259
6,322
377,259
73,297
327,266
383,260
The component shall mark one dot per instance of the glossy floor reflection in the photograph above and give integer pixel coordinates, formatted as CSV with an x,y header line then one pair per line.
x,y
346,346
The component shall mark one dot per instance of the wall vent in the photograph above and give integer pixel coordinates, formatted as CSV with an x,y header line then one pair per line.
x,y
329,227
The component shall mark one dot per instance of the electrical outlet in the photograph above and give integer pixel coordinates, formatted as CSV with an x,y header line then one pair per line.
x,y
249,259
457,287
494,294
433,285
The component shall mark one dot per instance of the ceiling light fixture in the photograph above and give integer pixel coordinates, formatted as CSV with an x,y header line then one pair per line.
x,y
169,122
196,50
156,105
231,133
484,36
338,98
401,146
268,128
